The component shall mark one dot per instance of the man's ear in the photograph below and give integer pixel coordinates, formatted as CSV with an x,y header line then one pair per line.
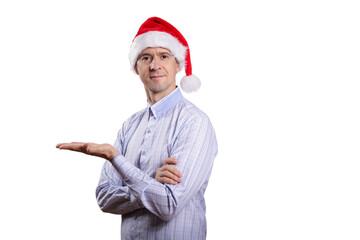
x,y
177,67
135,68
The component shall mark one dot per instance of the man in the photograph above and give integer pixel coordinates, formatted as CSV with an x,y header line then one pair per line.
x,y
157,171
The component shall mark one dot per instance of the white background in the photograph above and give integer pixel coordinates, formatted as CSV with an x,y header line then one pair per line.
x,y
280,84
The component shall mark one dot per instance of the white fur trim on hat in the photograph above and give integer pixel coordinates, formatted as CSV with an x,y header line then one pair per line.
x,y
157,39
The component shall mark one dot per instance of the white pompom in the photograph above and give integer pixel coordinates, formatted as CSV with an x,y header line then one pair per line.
x,y
190,83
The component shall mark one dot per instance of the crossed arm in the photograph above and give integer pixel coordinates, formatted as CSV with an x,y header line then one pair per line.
x,y
124,188
166,174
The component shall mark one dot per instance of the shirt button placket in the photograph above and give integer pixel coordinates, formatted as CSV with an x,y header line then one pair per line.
x,y
146,144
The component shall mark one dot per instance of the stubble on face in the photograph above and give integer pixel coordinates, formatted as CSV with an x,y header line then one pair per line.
x,y
157,70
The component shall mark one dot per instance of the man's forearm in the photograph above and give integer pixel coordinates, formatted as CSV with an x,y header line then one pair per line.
x,y
116,200
163,200
112,195
153,195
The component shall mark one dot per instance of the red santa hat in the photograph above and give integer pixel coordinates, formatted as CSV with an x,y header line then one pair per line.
x,y
156,32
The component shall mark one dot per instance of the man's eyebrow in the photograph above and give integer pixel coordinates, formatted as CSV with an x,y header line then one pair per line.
x,y
167,53
143,54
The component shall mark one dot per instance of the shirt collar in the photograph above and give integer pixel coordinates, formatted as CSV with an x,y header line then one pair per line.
x,y
166,103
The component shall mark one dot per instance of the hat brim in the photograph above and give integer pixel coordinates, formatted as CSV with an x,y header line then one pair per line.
x,y
157,39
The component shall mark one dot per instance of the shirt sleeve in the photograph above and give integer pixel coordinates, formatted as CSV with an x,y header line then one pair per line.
x,y
195,147
112,194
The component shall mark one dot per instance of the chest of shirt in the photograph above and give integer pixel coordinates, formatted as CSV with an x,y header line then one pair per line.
x,y
151,141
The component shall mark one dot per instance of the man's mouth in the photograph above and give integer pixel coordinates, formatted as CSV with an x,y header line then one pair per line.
x,y
156,76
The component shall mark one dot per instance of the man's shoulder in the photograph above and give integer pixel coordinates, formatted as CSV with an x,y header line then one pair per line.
x,y
191,112
193,121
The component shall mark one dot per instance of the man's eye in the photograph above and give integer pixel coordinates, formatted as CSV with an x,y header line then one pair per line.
x,y
145,58
164,56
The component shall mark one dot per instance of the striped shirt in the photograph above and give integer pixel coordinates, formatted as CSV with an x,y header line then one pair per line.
x,y
172,127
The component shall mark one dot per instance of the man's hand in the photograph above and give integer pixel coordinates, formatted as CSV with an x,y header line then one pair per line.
x,y
99,150
168,173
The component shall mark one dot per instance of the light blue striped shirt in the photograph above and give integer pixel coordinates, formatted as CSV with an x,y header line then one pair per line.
x,y
172,127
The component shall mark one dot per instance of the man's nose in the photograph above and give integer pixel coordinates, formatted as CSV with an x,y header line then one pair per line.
x,y
155,64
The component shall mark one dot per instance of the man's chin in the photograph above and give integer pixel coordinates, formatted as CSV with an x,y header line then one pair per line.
x,y
157,89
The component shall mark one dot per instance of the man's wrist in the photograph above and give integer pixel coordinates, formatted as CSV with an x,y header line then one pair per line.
x,y
113,154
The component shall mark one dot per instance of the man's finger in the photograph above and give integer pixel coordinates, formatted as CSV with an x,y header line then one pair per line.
x,y
171,161
168,180
169,175
59,144
162,177
172,169
71,146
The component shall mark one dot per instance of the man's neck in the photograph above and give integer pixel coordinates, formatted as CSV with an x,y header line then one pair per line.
x,y
153,98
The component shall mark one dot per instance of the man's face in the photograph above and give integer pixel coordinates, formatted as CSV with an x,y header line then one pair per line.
x,y
157,69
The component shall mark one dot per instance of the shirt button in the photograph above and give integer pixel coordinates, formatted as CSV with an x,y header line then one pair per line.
x,y
143,152
149,131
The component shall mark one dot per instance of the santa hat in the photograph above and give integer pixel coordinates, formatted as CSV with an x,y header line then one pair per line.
x,y
156,32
